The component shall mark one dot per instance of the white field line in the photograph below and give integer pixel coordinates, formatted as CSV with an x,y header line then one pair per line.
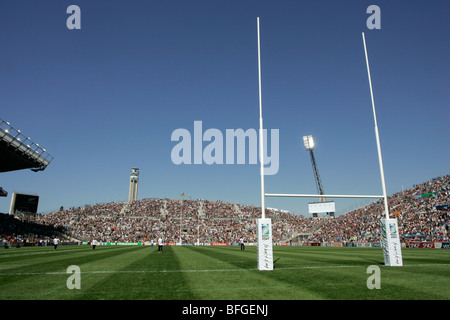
x,y
206,270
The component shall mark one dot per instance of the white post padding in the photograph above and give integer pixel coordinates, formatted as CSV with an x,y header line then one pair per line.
x,y
391,243
265,245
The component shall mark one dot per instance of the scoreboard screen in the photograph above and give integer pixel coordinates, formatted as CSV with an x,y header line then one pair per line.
x,y
25,204
322,207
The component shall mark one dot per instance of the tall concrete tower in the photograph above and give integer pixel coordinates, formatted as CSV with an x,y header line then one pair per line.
x,y
134,181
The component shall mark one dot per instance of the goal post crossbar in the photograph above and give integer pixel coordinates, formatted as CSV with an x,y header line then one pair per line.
x,y
320,195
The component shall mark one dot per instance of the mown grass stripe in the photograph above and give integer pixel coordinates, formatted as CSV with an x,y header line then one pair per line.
x,y
197,273
245,275
213,270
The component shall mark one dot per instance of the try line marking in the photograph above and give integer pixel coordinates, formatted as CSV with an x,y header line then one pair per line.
x,y
206,270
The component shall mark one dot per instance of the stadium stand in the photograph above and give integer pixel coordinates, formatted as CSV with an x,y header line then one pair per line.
x,y
422,212
15,232
18,152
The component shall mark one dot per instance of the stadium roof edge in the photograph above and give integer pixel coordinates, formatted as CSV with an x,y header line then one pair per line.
x,y
18,152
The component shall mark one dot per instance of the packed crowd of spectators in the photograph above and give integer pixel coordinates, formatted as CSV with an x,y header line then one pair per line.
x,y
19,232
188,221
422,214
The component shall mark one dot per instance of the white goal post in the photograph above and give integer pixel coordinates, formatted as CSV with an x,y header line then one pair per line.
x,y
391,241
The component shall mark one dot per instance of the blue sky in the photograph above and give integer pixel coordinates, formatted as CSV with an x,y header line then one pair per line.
x,y
107,98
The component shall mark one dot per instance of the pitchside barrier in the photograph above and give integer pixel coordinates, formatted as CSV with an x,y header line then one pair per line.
x,y
410,244
425,244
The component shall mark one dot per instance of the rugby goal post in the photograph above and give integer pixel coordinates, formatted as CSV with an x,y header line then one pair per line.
x,y
390,237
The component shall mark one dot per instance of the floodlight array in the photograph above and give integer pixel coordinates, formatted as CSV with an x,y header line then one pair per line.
x,y
308,141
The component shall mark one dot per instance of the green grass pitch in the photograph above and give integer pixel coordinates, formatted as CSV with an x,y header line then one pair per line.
x,y
220,273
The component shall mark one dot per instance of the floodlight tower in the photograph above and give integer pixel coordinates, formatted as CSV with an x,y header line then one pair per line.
x,y
308,141
134,181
